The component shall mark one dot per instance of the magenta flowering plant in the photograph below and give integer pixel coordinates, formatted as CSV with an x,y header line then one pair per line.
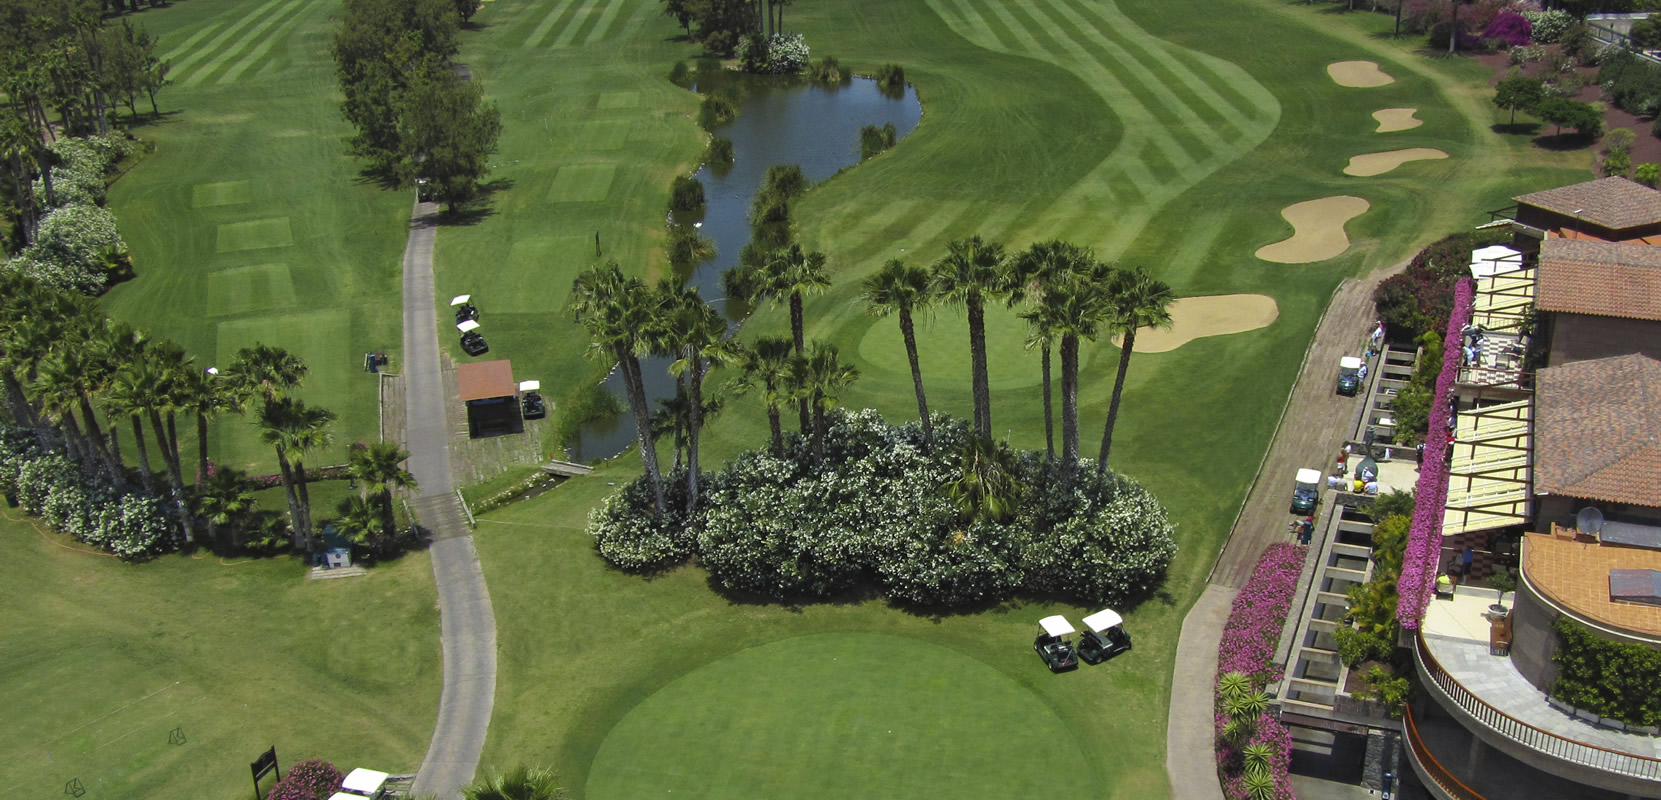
x,y
312,779
1248,647
1424,537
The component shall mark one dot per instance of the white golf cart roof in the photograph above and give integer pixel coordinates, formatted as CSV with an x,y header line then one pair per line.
x,y
1103,620
365,782
1056,625
1310,476
1350,362
345,796
469,325
460,298
530,386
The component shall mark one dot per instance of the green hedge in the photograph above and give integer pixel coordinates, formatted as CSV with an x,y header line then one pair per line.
x,y
1610,679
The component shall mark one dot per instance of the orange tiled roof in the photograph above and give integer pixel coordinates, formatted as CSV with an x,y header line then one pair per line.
x,y
1614,202
1597,430
1606,279
1575,575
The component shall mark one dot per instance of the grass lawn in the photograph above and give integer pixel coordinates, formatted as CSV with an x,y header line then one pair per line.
x,y
249,223
100,660
1165,144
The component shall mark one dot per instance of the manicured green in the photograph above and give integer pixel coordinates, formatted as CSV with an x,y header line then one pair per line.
x,y
100,660
834,715
250,223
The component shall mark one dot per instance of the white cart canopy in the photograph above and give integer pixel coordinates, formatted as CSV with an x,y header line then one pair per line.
x,y
469,325
345,796
1309,476
364,782
1102,620
1349,362
530,386
460,298
1056,625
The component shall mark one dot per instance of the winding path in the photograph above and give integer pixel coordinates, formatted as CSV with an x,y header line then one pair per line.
x,y
467,627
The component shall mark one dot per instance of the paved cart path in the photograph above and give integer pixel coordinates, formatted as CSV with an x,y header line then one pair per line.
x,y
467,627
1312,427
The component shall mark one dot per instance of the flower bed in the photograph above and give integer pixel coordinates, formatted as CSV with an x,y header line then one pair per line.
x,y
1248,648
1424,537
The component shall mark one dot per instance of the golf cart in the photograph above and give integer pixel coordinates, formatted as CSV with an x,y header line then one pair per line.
x,y
424,191
465,310
530,402
1104,637
1349,375
361,783
472,342
1307,492
1056,651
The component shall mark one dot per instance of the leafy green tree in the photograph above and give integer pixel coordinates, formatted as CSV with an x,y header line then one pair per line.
x,y
449,134
1561,111
465,9
617,312
899,290
1648,174
1646,33
1519,93
382,49
763,366
972,272
1135,301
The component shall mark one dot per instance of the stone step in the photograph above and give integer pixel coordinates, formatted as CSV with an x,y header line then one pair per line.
x,y
441,516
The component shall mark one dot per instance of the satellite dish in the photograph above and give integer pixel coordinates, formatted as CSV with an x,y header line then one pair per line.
x,y
1589,521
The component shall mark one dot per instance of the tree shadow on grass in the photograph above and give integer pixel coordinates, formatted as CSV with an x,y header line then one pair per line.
x,y
1516,128
479,210
380,175
146,120
1563,142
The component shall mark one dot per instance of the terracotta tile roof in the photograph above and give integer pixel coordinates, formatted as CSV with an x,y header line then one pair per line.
x,y
1575,574
1608,279
1597,430
482,380
1614,202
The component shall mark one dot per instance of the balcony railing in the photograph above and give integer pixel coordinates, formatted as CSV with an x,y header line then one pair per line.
x,y
1432,768
1537,739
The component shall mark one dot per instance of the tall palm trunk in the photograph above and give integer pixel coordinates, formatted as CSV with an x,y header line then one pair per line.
x,y
72,439
1049,416
694,421
977,364
95,432
1069,401
143,454
642,420
23,411
175,478
201,448
295,519
304,496
1118,391
910,336
819,432
796,334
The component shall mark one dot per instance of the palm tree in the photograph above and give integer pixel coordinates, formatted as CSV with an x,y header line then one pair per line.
x,y
793,272
616,310
224,497
171,368
1041,333
517,784
987,486
972,272
129,395
294,429
1032,274
359,520
818,379
55,387
702,334
1135,301
900,290
265,372
763,365
1074,310
379,470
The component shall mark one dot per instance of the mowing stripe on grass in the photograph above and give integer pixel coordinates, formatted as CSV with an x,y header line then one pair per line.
x,y
254,235
239,290
321,338
582,183
613,100
547,24
280,35
191,42
218,41
242,44
604,25
576,23
228,193
979,31
603,134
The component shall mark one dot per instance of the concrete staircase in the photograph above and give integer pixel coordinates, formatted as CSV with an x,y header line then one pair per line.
x,y
441,516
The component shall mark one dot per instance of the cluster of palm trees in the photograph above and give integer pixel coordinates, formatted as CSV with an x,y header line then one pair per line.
x,y
626,320
1070,297
73,376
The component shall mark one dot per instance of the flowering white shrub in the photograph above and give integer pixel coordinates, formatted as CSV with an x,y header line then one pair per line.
x,y
1548,26
69,251
779,54
83,505
874,512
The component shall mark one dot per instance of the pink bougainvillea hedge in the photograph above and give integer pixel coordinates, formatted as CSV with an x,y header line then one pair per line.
x,y
1248,647
1424,538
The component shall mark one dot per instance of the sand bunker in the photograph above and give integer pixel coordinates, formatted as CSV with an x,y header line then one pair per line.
x,y
1391,120
1358,74
1370,164
1213,315
1317,230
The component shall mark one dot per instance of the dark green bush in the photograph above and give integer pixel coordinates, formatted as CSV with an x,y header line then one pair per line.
x,y
891,78
1610,679
686,194
1355,647
784,180
719,153
680,74
826,70
716,111
874,141
1631,83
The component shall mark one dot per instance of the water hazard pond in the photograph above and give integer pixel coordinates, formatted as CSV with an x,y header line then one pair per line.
x,y
786,121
